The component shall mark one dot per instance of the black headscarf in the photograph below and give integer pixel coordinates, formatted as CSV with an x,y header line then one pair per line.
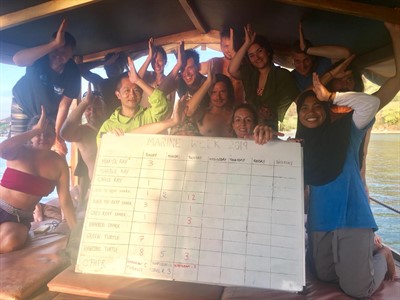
x,y
324,147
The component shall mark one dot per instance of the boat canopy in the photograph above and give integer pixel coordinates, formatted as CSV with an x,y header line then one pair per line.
x,y
102,26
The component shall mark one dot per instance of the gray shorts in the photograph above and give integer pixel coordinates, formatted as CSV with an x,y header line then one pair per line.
x,y
347,256
19,120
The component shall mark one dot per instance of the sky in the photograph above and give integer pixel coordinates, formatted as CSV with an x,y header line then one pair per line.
x,y
10,74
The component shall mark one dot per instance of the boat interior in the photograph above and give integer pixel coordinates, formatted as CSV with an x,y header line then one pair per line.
x,y
44,269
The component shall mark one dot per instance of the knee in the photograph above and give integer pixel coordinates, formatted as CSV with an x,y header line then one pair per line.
x,y
11,243
359,290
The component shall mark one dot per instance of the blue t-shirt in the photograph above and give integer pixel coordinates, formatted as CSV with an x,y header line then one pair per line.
x,y
321,66
41,85
343,203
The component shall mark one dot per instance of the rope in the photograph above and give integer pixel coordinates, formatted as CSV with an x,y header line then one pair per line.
x,y
385,205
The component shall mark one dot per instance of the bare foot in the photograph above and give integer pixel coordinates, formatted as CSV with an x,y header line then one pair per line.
x,y
391,269
38,213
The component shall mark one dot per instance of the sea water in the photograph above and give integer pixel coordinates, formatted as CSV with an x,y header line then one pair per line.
x,y
383,179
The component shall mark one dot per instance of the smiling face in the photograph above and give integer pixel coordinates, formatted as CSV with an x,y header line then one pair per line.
x,y
303,63
344,84
129,94
59,57
189,73
258,56
219,95
158,63
312,113
46,139
243,122
94,113
226,47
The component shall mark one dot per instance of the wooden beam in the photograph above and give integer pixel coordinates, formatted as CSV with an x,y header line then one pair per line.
x,y
194,16
190,38
352,8
40,11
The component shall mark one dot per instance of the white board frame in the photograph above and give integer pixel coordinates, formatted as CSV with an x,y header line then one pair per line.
x,y
209,210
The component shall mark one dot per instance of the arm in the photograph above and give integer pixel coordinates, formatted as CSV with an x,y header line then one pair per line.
x,y
163,125
27,57
64,195
195,101
63,108
391,86
9,148
335,53
71,129
169,83
337,72
234,66
134,78
147,62
365,106
84,69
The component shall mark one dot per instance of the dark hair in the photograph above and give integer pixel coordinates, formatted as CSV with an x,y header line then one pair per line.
x,y
296,46
35,120
120,78
121,61
159,49
357,77
191,53
264,43
310,93
225,33
247,106
228,83
68,38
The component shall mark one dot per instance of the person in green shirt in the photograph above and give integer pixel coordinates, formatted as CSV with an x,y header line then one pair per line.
x,y
131,114
269,88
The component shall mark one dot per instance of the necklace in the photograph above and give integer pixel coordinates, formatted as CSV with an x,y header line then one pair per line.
x,y
260,91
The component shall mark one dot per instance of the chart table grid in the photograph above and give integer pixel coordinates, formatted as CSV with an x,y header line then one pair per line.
x,y
209,210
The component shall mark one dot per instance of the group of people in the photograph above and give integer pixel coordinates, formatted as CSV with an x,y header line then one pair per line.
x,y
244,95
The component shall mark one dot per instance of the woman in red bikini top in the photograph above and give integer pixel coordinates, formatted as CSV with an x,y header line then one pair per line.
x,y
33,170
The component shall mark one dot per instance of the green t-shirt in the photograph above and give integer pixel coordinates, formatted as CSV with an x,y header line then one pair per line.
x,y
279,92
152,114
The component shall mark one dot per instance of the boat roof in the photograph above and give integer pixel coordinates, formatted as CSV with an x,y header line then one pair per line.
x,y
102,26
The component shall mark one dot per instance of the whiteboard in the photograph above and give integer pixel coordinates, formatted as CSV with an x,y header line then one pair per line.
x,y
197,209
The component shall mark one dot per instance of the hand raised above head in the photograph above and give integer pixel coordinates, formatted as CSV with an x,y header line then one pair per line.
x,y
302,40
59,40
320,90
181,53
231,42
41,125
250,35
151,47
340,70
133,76
89,96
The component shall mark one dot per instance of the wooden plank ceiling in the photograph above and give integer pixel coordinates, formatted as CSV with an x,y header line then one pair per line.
x,y
101,26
